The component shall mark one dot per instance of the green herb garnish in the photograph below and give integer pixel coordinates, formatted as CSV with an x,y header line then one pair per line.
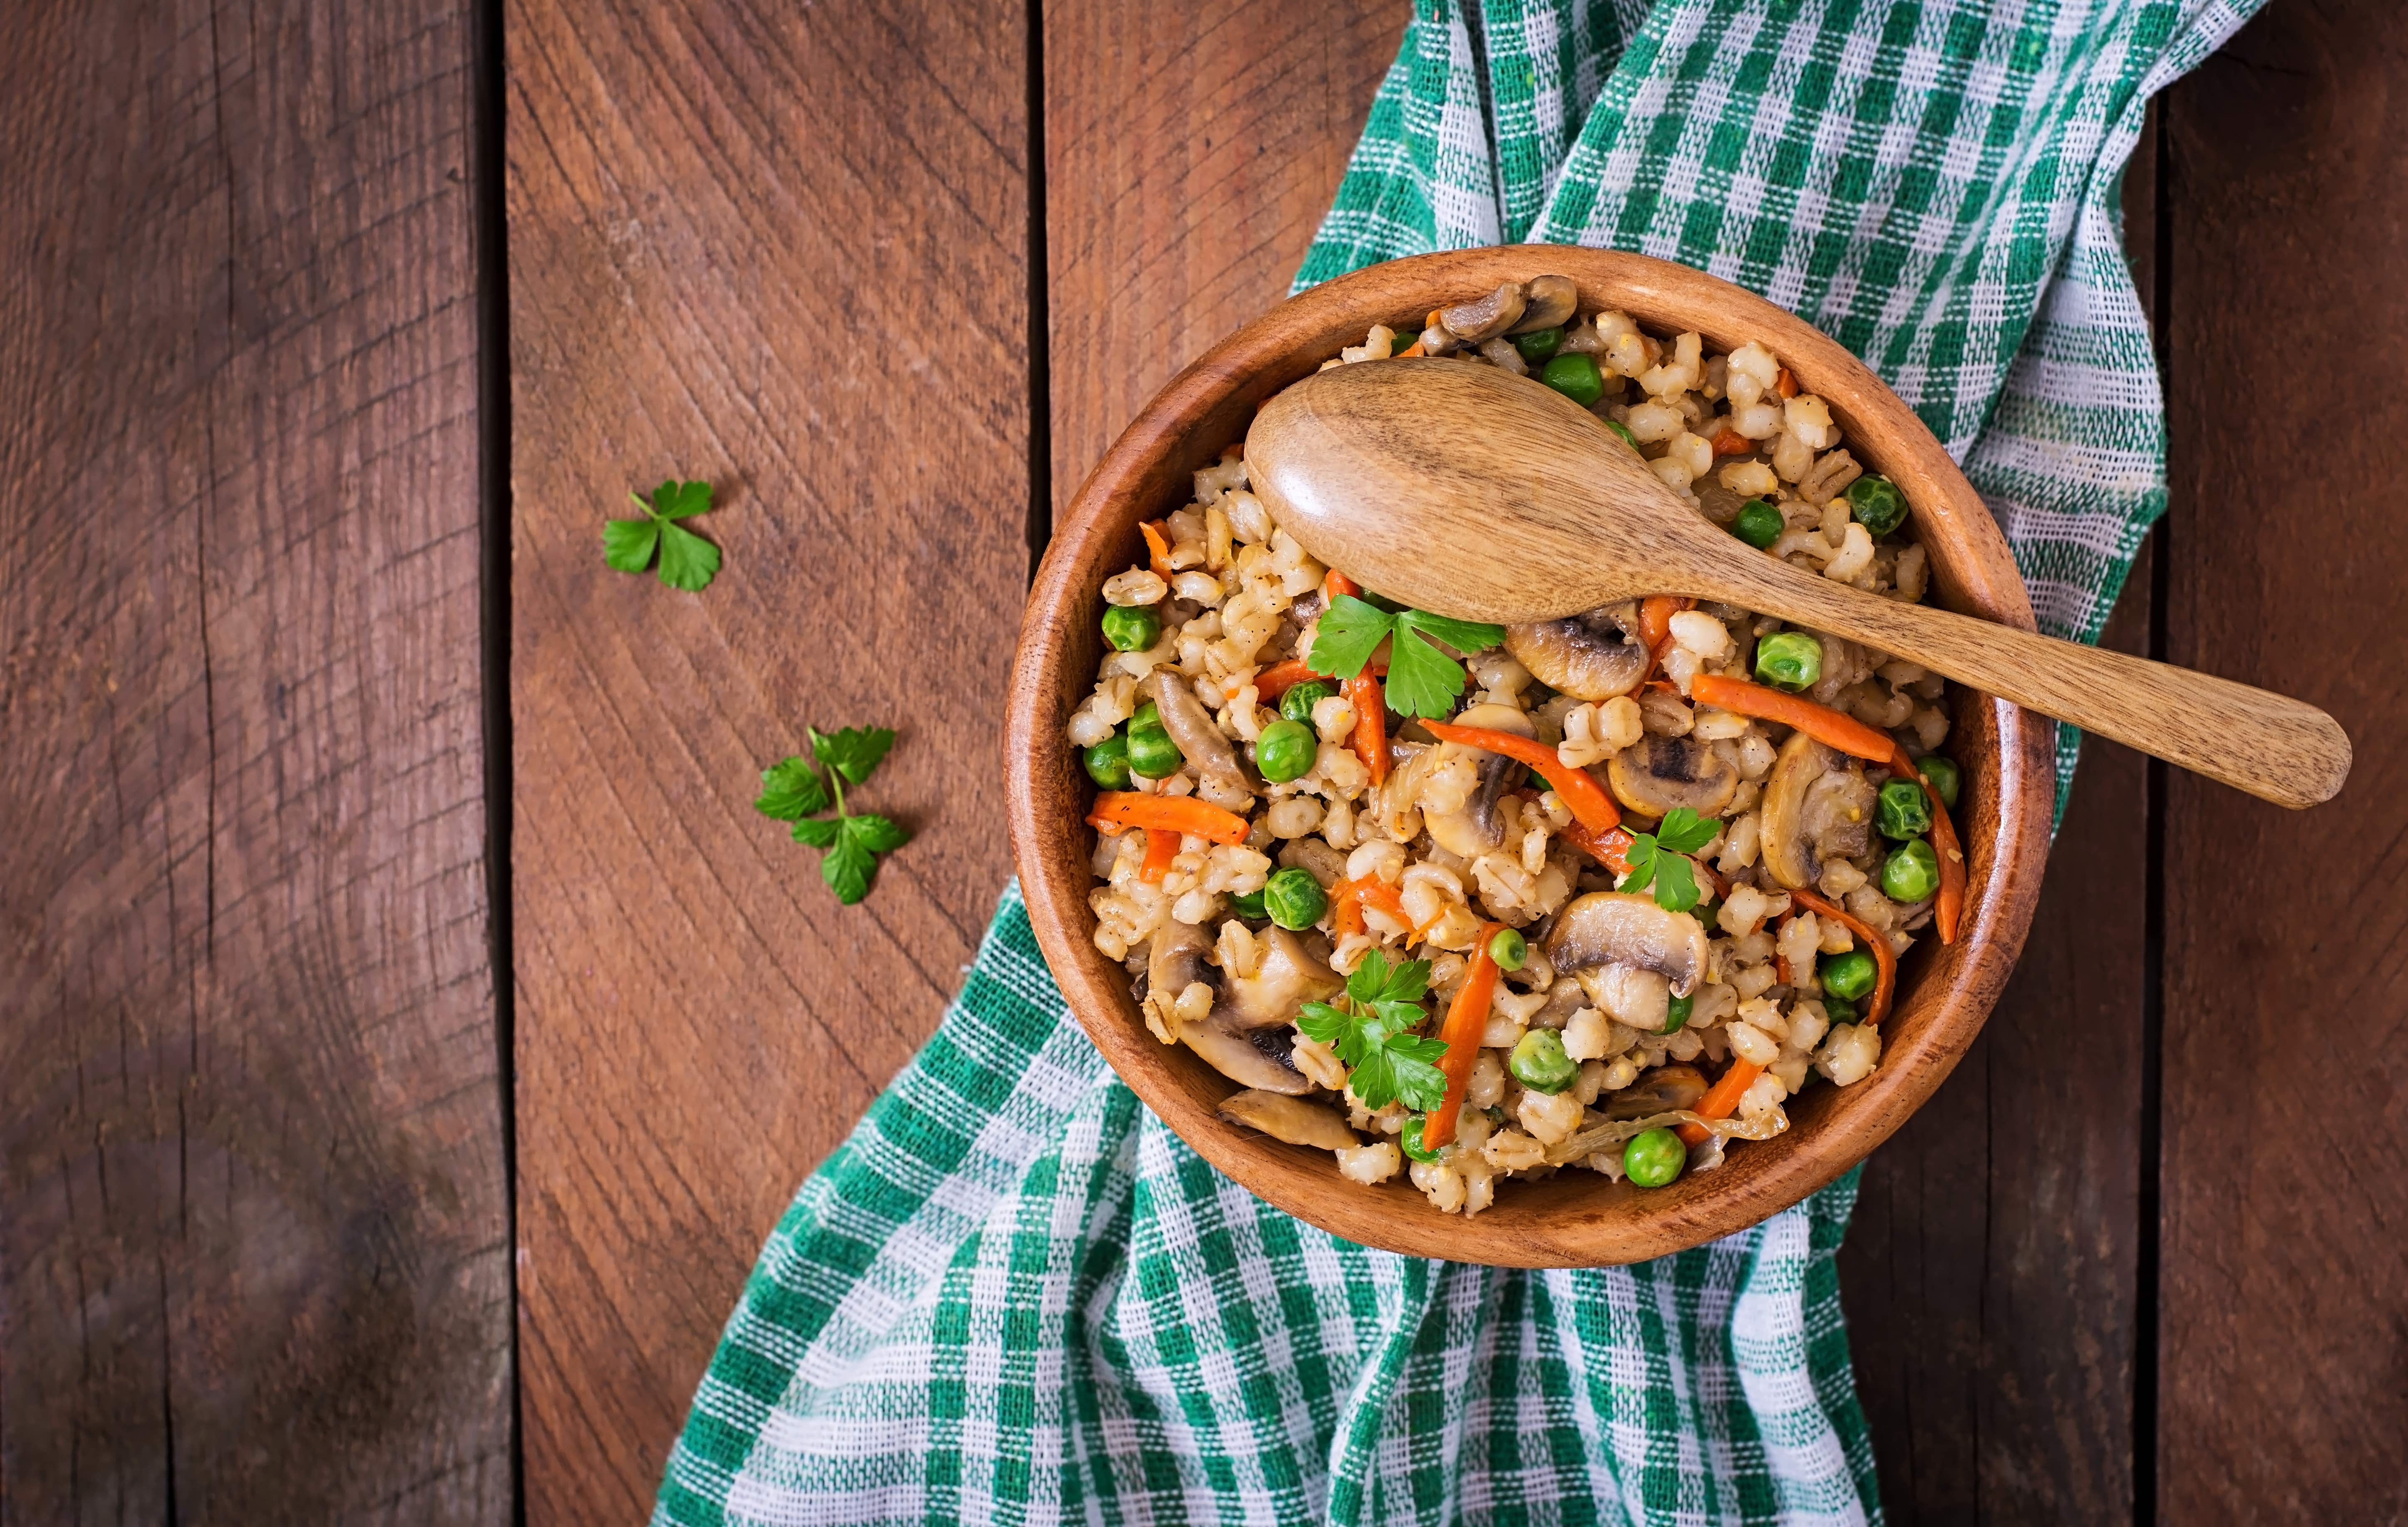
x,y
687,561
1370,1031
796,790
1422,680
1657,857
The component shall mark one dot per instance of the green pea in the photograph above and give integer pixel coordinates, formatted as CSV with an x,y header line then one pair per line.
x,y
1294,899
1759,524
1152,753
1285,752
1146,714
1410,1138
1879,507
1903,812
1622,428
1107,763
1839,1009
1539,344
1789,659
1849,976
1539,1062
1249,906
1132,628
1654,1158
1538,782
1676,1014
1576,376
1509,948
1943,775
1297,703
1912,872
1704,912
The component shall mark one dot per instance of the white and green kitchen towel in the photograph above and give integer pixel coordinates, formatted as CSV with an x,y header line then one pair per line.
x,y
1012,1296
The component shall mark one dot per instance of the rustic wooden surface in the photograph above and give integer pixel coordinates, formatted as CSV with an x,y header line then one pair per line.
x,y
256,1194
254,1260
2283,1392
782,248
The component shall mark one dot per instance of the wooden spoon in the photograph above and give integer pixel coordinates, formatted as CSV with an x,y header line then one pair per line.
x,y
1472,493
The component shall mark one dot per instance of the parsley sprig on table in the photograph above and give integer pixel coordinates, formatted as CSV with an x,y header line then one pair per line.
x,y
1657,856
687,561
1422,680
1371,1030
796,790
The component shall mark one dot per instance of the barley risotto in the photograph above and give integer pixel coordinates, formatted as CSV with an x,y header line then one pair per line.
x,y
1462,902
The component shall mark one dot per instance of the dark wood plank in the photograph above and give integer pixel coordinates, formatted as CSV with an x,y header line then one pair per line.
x,y
783,247
1190,152
1989,1275
2284,1377
254,1264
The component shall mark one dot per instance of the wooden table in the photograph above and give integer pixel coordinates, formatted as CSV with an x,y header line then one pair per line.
x,y
411,1031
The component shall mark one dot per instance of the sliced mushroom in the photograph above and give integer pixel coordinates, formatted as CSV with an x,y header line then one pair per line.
x,y
1492,315
1263,1059
1191,726
1290,1118
1286,977
1478,827
1818,806
1594,656
1668,1088
1608,928
1176,960
1547,301
1656,773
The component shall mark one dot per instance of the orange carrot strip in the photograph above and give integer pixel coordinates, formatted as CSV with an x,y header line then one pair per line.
x,y
1279,677
1465,1021
1370,723
1334,583
1784,383
1885,958
1607,848
1821,722
1415,348
1655,614
1948,907
1172,813
1347,908
1732,443
1157,549
1589,803
1161,848
1718,1103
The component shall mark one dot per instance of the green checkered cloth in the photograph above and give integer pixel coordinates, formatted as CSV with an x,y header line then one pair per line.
x,y
1012,1296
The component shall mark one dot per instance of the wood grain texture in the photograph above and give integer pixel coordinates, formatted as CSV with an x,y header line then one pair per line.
x,y
2284,1381
1190,151
1575,1220
252,1254
782,248
1990,1273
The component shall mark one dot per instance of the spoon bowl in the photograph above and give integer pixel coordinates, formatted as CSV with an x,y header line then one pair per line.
x,y
1470,492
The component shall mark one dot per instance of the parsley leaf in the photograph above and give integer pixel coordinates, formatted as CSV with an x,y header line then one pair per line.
x,y
1422,680
791,788
1656,858
1376,979
794,790
1371,1033
686,560
855,752
1349,632
1404,1069
1683,830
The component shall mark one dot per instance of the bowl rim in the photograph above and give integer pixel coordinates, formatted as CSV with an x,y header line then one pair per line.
x,y
1576,1218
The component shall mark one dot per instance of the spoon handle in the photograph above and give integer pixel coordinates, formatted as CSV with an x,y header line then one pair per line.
x,y
2275,748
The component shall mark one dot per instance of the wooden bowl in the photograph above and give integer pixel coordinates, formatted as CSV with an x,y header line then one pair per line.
x,y
1575,1218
